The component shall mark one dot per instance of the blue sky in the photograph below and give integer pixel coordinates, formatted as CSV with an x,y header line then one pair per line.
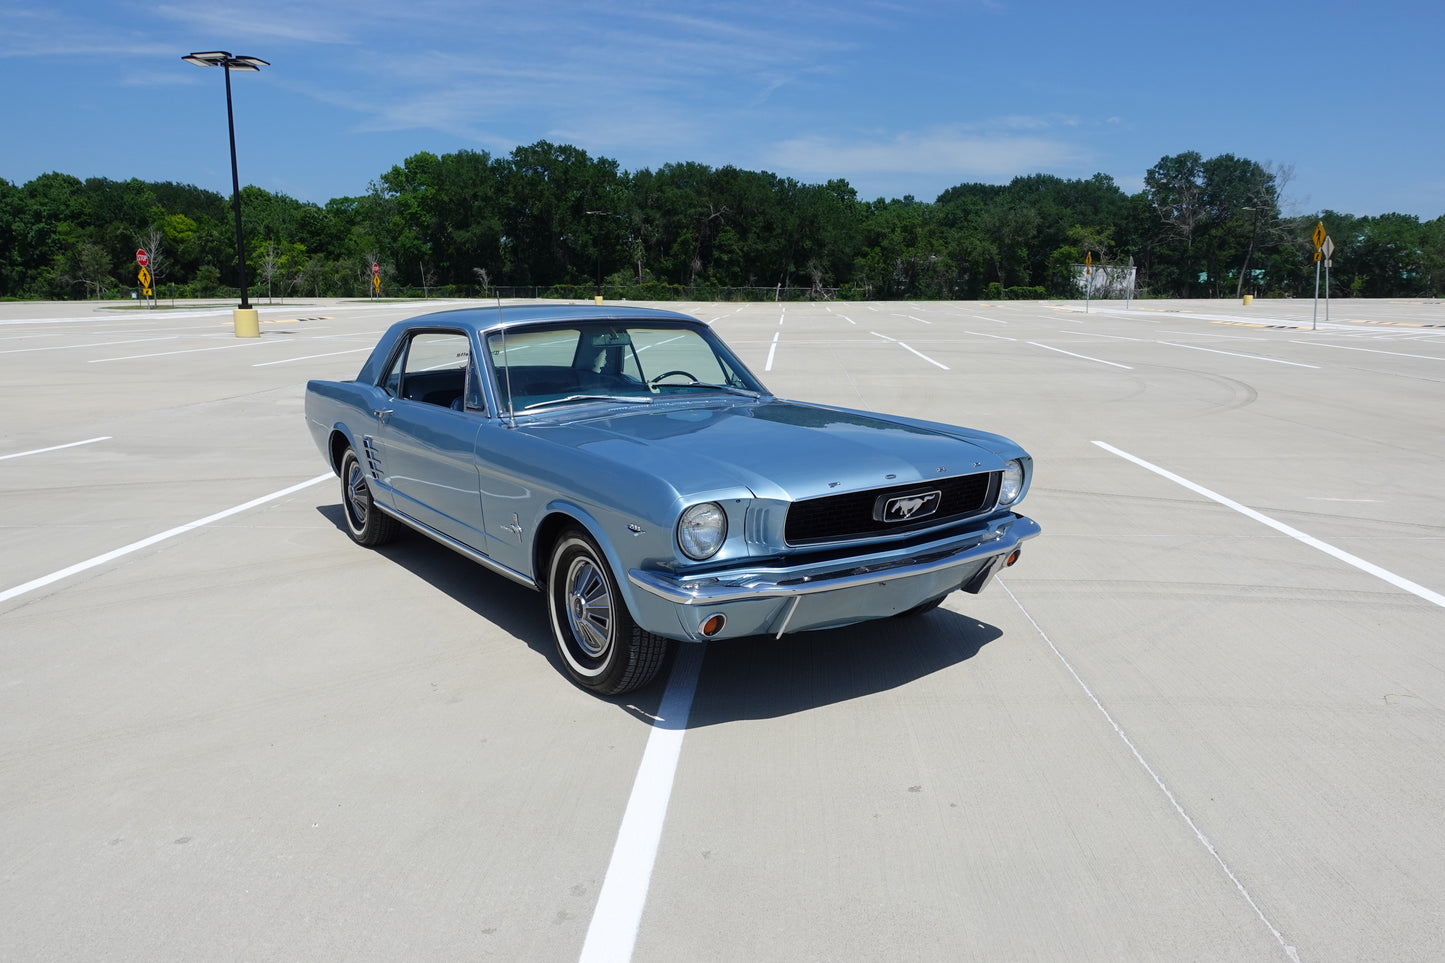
x,y
896,98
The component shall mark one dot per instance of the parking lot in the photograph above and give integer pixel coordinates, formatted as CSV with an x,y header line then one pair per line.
x,y
1201,719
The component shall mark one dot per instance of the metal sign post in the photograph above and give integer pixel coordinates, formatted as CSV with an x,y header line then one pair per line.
x,y
1328,249
1088,280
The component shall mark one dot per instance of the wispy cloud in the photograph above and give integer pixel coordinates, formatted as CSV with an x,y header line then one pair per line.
x,y
244,22
961,154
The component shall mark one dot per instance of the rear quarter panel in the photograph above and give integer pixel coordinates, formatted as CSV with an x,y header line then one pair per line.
x,y
332,406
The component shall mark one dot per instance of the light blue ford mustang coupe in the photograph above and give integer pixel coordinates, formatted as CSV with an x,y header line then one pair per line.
x,y
625,463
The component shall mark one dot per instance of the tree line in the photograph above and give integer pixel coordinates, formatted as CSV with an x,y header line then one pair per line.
x,y
549,219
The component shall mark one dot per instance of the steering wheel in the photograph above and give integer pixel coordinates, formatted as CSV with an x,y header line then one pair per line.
x,y
652,382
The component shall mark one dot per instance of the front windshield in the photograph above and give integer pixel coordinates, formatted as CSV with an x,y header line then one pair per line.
x,y
618,361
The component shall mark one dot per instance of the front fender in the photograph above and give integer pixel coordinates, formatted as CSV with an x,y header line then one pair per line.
x,y
607,531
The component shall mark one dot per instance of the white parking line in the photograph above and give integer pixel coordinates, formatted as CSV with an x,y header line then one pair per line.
x,y
111,556
40,451
308,357
94,344
1112,364
163,354
1343,347
772,349
1236,354
1370,568
1096,334
913,350
925,357
613,930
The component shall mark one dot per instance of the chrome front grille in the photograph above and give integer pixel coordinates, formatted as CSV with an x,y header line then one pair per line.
x,y
860,514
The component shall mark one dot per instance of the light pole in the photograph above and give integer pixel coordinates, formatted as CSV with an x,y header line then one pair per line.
x,y
597,242
1249,254
246,322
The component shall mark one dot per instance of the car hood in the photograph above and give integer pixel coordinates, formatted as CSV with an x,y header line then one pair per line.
x,y
774,448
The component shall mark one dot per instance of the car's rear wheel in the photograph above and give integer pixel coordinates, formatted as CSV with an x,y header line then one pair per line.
x,y
365,523
601,647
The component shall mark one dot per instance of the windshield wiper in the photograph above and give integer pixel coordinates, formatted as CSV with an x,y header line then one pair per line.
x,y
620,399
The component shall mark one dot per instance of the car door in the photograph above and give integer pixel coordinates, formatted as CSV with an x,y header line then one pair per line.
x,y
428,435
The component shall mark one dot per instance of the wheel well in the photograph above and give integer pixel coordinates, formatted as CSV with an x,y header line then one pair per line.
x,y
548,532
339,444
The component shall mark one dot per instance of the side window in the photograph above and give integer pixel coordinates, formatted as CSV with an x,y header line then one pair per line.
x,y
432,369
392,382
475,399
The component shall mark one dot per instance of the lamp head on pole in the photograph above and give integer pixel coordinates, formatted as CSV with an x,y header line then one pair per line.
x,y
223,58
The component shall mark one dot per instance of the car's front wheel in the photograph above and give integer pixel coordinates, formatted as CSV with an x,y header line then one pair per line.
x,y
365,523
601,647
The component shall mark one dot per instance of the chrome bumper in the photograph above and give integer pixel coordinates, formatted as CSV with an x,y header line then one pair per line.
x,y
992,547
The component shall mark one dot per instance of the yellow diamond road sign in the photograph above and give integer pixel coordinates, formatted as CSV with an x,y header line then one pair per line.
x,y
1319,235
145,278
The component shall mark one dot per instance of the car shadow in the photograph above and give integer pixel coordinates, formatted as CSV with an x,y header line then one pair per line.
x,y
514,608
763,677
760,677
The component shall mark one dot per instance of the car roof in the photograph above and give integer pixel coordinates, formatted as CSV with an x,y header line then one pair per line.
x,y
484,319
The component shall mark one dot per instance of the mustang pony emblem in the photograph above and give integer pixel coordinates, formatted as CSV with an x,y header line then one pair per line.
x,y
908,507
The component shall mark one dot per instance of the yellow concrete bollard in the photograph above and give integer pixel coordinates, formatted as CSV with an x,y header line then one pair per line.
x,y
1248,300
247,322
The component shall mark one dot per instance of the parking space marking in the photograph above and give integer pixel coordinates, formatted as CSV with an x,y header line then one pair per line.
x,y
308,357
162,354
1400,582
1163,787
95,344
41,451
1096,334
1235,354
905,347
1345,347
613,930
124,550
1112,364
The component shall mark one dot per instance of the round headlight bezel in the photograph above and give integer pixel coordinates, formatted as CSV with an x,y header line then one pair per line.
x,y
701,531
1011,482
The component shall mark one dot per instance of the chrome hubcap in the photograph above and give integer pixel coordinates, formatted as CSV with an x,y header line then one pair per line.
x,y
589,608
358,498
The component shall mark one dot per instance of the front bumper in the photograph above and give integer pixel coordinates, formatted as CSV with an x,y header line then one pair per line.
x,y
825,595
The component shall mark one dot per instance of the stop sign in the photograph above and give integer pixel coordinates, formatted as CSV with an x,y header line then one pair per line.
x,y
141,257
375,268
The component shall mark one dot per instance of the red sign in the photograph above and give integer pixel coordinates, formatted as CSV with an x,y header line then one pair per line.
x,y
141,257
376,269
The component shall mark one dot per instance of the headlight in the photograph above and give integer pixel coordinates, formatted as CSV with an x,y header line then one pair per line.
x,y
1011,485
702,530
